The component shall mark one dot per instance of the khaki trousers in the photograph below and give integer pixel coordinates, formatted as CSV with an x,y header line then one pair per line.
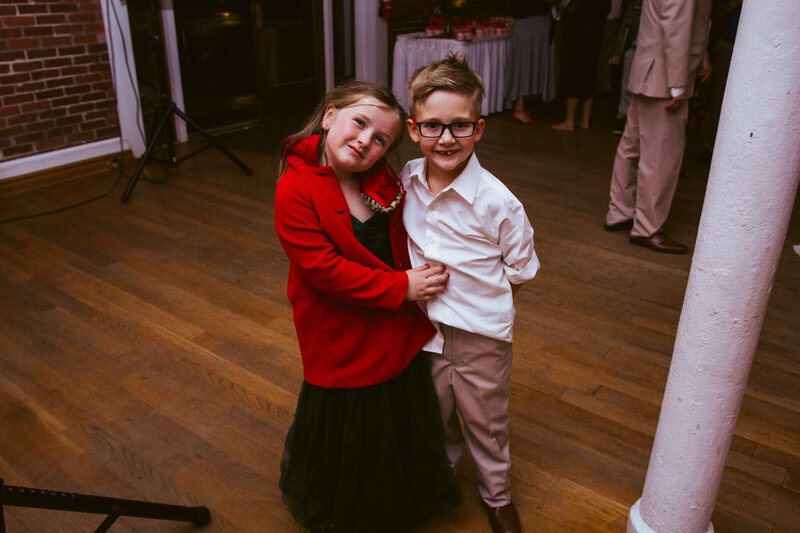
x,y
472,377
647,165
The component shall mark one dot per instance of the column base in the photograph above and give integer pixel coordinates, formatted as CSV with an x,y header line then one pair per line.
x,y
636,523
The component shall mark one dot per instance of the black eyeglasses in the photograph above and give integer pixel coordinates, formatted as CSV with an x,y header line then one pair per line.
x,y
436,129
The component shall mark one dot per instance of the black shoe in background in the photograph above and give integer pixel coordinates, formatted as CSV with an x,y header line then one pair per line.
x,y
619,125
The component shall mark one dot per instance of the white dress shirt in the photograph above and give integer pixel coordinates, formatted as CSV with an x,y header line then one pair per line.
x,y
478,229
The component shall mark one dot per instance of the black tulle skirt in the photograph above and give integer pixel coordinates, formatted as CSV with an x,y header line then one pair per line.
x,y
369,459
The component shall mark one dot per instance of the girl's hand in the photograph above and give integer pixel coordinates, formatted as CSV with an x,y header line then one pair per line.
x,y
425,282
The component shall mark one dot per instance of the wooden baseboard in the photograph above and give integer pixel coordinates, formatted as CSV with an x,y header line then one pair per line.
x,y
64,173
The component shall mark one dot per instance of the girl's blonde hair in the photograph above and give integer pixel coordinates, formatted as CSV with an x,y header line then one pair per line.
x,y
346,94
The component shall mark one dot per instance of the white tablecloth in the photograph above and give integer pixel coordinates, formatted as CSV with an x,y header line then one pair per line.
x,y
486,56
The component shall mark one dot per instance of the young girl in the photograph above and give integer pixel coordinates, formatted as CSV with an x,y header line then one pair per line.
x,y
365,452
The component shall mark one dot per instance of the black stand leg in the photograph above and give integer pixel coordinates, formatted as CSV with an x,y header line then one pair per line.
x,y
247,170
109,521
172,110
113,507
2,517
147,153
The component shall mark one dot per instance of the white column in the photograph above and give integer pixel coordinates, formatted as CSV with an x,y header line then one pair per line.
x,y
751,190
118,37
173,65
327,26
371,36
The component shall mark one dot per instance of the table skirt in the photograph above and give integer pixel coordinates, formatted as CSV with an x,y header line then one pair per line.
x,y
532,63
487,56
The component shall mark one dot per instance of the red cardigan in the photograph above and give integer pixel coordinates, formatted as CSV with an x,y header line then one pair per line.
x,y
353,326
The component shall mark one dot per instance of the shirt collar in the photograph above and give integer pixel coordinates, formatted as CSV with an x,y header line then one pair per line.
x,y
466,184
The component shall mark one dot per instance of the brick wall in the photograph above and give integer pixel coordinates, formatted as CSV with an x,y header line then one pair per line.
x,y
55,78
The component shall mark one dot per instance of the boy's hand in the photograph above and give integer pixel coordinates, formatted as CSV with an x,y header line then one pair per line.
x,y
425,282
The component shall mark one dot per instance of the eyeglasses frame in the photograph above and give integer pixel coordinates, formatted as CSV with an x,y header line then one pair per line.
x,y
446,127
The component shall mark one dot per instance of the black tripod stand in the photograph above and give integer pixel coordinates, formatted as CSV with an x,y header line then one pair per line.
x,y
166,109
113,507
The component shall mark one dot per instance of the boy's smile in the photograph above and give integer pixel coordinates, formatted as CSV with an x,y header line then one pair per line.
x,y
446,155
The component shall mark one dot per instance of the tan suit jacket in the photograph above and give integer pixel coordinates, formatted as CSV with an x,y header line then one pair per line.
x,y
673,35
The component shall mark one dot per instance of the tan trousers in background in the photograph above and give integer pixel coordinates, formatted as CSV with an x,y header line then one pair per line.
x,y
653,144
472,378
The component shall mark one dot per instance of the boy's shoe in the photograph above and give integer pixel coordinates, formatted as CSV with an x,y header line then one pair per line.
x,y
619,125
504,519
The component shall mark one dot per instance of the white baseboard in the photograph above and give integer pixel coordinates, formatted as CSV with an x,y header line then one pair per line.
x,y
57,158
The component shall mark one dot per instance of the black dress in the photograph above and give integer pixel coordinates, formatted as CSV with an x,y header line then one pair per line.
x,y
368,459
581,42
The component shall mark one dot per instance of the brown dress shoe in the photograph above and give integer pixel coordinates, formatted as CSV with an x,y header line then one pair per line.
x,y
619,226
504,519
659,242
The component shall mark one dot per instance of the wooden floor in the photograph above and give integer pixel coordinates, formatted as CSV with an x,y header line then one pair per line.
x,y
147,349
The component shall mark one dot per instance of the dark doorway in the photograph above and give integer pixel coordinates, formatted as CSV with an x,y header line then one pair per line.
x,y
218,67
289,48
249,60
241,61
344,57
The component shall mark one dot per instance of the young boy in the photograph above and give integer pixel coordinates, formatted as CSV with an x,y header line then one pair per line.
x,y
460,215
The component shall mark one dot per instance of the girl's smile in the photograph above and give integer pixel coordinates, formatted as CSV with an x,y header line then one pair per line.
x,y
358,136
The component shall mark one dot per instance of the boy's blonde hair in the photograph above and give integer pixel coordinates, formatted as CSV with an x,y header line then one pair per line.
x,y
450,74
